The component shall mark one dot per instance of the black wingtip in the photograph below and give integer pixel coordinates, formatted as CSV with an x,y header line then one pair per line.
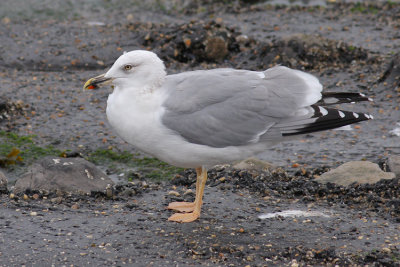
x,y
328,119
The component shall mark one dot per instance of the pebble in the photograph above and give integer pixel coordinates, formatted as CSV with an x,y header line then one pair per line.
x,y
294,263
242,38
174,193
109,192
188,192
6,20
33,213
309,254
56,200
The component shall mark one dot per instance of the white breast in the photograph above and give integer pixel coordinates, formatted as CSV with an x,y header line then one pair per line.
x,y
135,117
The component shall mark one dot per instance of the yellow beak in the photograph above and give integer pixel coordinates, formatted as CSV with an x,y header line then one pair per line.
x,y
93,83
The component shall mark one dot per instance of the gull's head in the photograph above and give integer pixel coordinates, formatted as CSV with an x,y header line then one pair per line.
x,y
139,69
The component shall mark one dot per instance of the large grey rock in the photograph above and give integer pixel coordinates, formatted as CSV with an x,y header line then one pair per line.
x,y
70,175
394,164
355,171
3,183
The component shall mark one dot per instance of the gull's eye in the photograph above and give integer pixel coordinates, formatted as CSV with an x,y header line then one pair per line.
x,y
128,67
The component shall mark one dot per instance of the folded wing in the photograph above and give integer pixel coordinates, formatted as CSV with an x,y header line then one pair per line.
x,y
226,107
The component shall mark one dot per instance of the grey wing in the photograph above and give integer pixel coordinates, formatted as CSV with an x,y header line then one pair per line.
x,y
226,107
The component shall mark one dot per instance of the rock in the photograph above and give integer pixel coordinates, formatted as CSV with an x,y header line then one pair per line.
x,y
355,171
242,39
3,183
394,164
9,110
216,48
68,175
253,164
174,193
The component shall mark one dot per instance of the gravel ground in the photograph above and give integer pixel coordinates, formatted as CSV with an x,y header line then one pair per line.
x,y
46,56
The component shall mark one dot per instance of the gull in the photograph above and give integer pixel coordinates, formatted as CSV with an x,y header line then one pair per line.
x,y
199,119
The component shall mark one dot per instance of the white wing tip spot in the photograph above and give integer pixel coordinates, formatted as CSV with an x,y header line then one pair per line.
x,y
356,115
341,114
323,110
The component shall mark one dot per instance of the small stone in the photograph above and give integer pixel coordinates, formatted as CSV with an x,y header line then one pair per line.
x,y
174,193
188,192
26,197
386,250
12,196
75,207
35,196
309,254
294,263
187,42
56,200
6,20
242,39
33,213
216,48
219,20
109,191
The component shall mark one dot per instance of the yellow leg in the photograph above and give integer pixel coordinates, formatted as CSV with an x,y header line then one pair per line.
x,y
186,206
200,184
